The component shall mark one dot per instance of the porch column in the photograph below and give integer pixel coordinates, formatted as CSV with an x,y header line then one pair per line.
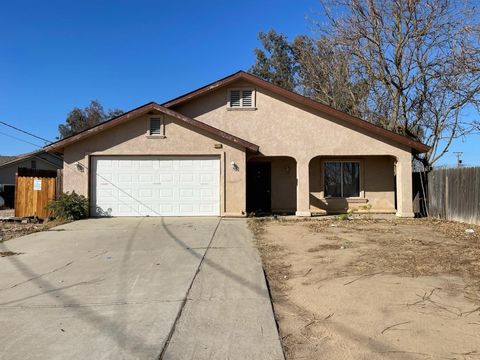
x,y
403,170
303,189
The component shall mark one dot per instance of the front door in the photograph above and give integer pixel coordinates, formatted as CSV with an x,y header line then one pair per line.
x,y
259,187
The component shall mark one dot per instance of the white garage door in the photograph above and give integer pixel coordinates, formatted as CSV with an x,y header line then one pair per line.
x,y
156,186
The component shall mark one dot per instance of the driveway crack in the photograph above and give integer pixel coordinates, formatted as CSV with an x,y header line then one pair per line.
x,y
185,299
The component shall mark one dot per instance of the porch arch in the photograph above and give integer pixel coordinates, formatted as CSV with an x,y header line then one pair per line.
x,y
282,184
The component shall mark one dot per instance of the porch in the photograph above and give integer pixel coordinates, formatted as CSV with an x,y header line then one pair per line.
x,y
329,185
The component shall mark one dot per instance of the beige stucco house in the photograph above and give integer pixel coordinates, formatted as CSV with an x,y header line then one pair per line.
x,y
236,146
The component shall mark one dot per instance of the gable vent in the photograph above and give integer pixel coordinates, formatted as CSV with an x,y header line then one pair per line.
x,y
235,98
155,126
241,98
247,98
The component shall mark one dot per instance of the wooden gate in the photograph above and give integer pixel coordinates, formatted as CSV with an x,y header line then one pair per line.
x,y
34,189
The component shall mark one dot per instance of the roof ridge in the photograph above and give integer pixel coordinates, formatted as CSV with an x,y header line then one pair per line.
x,y
355,120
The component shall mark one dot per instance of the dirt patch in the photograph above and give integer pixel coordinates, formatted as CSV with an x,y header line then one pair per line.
x,y
7,212
11,230
374,289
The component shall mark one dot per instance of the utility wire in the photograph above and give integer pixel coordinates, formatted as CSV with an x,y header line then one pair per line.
x,y
25,132
16,138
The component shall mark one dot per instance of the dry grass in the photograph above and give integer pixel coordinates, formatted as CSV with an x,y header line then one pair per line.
x,y
410,253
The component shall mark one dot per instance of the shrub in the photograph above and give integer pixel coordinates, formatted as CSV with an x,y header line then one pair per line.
x,y
344,217
69,207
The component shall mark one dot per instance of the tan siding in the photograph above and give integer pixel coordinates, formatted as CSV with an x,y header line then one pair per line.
x,y
131,139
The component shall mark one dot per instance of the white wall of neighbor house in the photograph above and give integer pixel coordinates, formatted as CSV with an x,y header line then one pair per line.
x,y
131,138
282,127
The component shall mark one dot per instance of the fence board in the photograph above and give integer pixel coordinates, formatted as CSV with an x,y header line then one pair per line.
x,y
30,201
454,194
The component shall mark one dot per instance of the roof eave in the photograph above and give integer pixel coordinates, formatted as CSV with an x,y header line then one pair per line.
x,y
61,144
378,130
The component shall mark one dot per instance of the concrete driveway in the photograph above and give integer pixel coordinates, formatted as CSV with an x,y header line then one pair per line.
x,y
136,288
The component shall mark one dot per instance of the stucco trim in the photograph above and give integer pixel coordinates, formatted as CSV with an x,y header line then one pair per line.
x,y
144,109
365,125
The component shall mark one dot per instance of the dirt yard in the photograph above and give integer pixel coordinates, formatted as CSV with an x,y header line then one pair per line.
x,y
374,289
11,230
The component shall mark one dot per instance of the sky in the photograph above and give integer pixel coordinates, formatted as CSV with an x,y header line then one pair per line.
x,y
56,55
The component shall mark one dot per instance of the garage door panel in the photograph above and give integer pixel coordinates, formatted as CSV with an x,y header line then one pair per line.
x,y
156,186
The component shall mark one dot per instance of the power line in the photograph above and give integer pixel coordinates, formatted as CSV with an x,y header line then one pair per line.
x,y
18,139
70,166
25,132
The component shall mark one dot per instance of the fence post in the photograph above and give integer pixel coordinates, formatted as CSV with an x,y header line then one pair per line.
x,y
59,183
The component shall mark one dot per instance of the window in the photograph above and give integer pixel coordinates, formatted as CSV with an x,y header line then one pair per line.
x,y
33,164
241,98
157,127
342,179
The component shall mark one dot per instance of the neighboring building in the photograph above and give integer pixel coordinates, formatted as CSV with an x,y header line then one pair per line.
x,y
236,146
34,160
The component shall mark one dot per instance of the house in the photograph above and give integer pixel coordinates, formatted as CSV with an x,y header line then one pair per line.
x,y
34,160
235,146
9,165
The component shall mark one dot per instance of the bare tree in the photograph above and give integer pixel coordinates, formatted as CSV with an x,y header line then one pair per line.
x,y
419,61
324,74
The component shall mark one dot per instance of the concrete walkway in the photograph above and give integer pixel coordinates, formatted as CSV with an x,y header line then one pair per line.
x,y
136,288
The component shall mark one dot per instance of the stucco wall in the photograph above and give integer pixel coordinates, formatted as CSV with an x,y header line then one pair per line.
x,y
282,127
7,173
131,139
377,186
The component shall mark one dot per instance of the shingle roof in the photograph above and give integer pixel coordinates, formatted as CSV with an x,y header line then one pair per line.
x,y
6,158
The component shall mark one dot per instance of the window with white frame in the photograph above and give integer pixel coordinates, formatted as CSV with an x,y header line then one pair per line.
x,y
157,127
342,179
241,99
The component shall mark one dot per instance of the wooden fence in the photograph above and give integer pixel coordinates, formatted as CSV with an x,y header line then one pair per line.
x,y
454,194
34,189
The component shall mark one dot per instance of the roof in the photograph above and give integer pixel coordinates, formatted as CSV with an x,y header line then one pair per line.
x,y
5,159
363,124
151,106
37,154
